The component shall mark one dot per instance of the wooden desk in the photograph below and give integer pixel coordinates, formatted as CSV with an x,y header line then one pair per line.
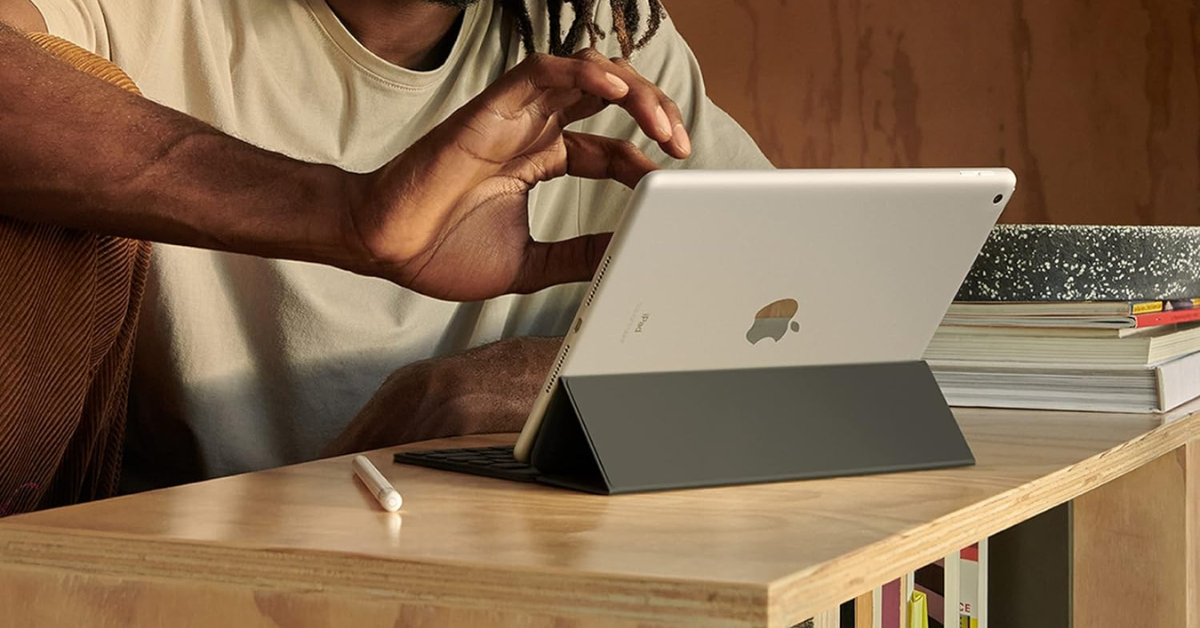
x,y
306,546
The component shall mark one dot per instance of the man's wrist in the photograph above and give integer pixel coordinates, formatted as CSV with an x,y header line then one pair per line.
x,y
338,234
308,219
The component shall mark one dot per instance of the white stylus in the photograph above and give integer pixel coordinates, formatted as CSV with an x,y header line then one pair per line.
x,y
383,491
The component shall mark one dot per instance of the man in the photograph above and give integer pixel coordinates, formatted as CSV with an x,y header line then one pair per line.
x,y
243,362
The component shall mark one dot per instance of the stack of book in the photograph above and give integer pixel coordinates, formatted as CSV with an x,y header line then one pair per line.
x,y
1100,356
1075,318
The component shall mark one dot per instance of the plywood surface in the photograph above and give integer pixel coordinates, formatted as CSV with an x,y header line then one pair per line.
x,y
766,555
39,597
1192,465
1131,548
1095,105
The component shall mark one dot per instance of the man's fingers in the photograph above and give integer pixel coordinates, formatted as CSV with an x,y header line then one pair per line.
x,y
596,157
599,79
540,73
679,144
654,111
552,263
580,86
582,109
591,156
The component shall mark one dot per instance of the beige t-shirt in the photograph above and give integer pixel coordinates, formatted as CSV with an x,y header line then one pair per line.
x,y
245,363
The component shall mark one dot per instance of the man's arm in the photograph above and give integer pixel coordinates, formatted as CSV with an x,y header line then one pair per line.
x,y
489,389
80,153
22,15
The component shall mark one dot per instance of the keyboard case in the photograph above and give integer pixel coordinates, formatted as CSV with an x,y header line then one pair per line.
x,y
627,433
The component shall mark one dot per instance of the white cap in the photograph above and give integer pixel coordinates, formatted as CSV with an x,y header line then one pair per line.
x,y
384,492
391,500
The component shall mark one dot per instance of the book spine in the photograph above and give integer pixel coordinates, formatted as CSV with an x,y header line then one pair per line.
x,y
1177,381
968,590
952,579
983,584
1170,317
918,611
890,605
864,611
877,608
1145,307
828,619
1164,390
906,594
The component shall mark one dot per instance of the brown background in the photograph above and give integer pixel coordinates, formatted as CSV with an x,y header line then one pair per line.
x,y
1093,103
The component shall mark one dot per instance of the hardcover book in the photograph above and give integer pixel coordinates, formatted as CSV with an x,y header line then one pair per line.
x,y
1151,347
1022,262
1157,388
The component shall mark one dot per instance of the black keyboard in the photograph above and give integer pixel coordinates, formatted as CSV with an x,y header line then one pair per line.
x,y
494,462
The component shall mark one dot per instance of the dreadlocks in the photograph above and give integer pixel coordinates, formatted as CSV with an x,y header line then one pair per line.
x,y
626,22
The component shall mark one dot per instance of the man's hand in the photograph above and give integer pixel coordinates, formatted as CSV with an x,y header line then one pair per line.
x,y
449,217
487,390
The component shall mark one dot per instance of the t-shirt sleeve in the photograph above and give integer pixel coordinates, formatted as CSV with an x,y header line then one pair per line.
x,y
718,142
80,22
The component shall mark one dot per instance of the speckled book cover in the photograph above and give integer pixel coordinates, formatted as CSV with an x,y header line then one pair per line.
x,y
1085,263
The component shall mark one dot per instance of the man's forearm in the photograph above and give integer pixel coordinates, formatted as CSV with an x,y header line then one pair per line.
x,y
488,389
79,153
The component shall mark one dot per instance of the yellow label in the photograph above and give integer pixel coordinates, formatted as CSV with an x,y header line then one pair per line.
x,y
968,622
1146,307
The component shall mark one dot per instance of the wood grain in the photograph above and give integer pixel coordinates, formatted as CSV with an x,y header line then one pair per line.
x,y
1094,104
99,600
1130,554
765,555
1193,533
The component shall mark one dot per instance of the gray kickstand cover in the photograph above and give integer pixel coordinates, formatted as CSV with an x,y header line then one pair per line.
x,y
657,431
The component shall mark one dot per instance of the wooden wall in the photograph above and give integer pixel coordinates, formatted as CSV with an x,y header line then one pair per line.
x,y
1093,103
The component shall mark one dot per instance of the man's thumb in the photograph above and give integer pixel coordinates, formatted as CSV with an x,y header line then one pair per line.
x,y
552,263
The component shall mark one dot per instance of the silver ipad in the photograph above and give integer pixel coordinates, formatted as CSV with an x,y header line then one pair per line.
x,y
752,269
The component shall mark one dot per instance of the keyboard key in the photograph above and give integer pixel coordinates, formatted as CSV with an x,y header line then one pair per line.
x,y
496,462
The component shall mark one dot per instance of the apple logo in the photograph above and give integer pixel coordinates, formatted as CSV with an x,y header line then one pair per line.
x,y
774,320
